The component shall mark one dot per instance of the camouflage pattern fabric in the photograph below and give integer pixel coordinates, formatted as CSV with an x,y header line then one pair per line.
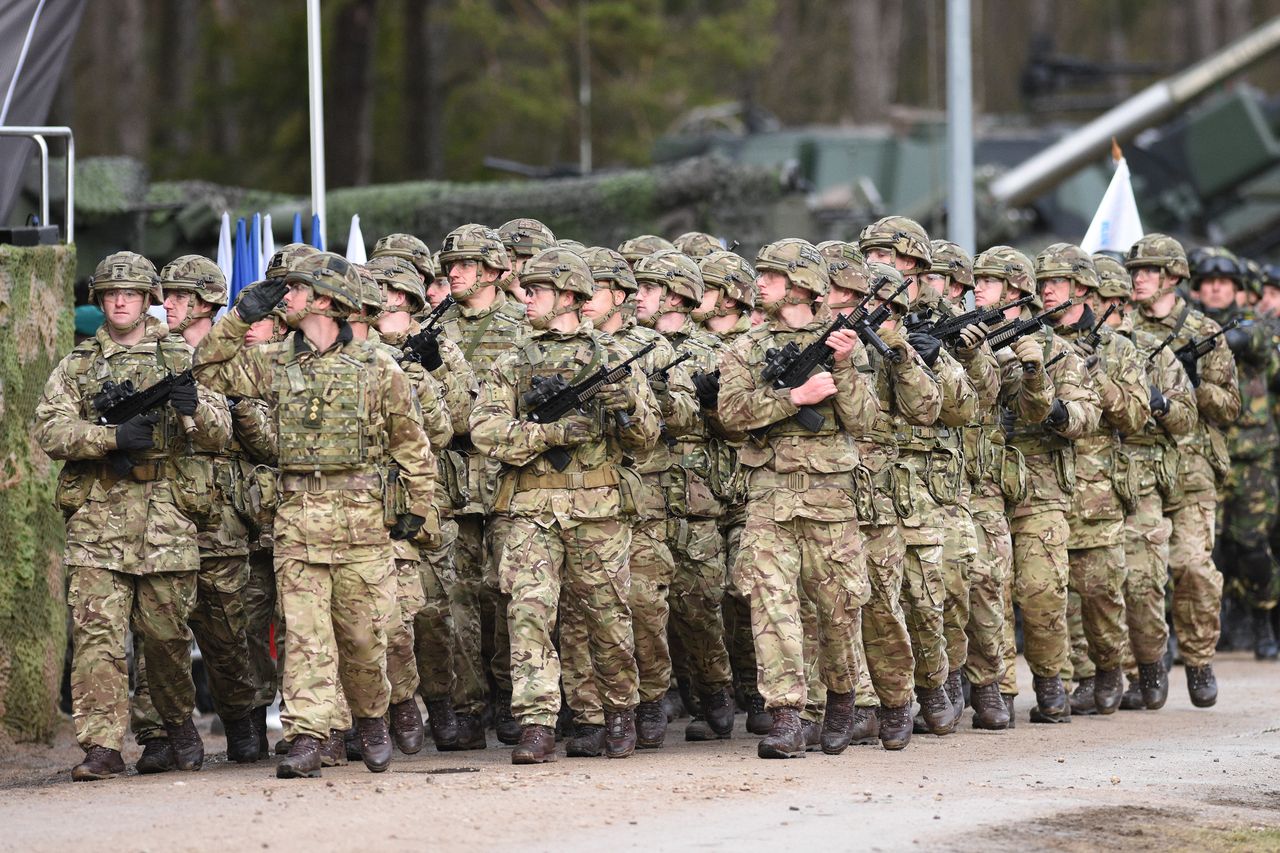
x,y
471,686
992,570
260,613
433,625
1197,584
402,664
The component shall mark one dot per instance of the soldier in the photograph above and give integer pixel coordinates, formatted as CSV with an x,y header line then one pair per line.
x,y
194,288
523,238
1104,488
344,412
131,495
1248,503
698,244
485,324
1158,265
564,529
641,247
801,530
670,288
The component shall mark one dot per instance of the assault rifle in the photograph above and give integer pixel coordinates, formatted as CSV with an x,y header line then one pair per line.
x,y
1007,334
1194,349
661,372
948,330
1091,340
415,348
552,397
867,323
117,402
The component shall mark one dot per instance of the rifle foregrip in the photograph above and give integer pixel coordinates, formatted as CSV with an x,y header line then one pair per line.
x,y
810,418
558,457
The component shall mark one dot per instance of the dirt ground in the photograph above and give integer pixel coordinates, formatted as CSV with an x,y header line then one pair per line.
x,y
1178,779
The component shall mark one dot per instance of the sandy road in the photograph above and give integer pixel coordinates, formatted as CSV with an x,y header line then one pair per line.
x,y
1181,778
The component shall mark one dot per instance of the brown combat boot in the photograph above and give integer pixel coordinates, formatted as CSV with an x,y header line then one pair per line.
x,y
471,734
1051,700
989,709
333,749
938,712
717,707
865,729
188,749
759,720
1202,685
895,726
351,743
1108,688
837,723
506,725
812,731
406,726
620,732
1083,701
587,741
651,725
99,763
444,724
954,685
260,729
242,739
786,736
375,743
1153,685
282,747
1132,698
537,745
157,756
303,760
1008,704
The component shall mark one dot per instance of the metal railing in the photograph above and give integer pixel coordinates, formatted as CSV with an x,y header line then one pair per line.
x,y
37,135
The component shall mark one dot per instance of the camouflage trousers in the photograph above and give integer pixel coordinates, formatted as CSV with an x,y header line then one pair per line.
x,y
104,606
1146,558
1039,588
402,663
1247,514
652,567
923,594
588,561
1197,584
260,613
219,622
697,588
736,610
433,624
992,568
1096,602
882,649
815,703
959,553
482,645
336,621
776,561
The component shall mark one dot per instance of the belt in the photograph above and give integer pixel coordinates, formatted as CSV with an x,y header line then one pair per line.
x,y
798,480
595,478
315,481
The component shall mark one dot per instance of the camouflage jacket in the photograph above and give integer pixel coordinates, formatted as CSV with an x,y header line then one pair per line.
x,y
1152,451
141,523
530,485
692,487
727,478
316,522
1253,435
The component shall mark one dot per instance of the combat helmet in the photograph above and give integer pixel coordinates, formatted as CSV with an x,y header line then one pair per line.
x,y
560,269
643,246
1008,265
125,271
732,274
905,236
607,265
1113,278
799,260
286,257
328,275
575,246
697,244
953,262
846,265
393,272
675,271
525,238
1066,260
1160,251
199,275
883,280
372,298
475,243
408,247
1217,262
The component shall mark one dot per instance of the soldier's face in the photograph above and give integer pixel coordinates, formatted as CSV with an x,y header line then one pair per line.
x,y
295,298
935,282
539,300
601,302
1055,291
1217,292
649,299
1270,302
987,291
1147,282
465,273
177,305
437,291
123,307
882,255
1117,316
260,332
710,297
773,286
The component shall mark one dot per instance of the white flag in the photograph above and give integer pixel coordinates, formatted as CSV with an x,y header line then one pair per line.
x,y
355,242
226,261
1116,225
268,243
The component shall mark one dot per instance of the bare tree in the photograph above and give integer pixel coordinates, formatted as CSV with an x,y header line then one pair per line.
x,y
875,43
348,103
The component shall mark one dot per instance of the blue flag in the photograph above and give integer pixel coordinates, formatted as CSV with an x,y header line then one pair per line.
x,y
297,228
317,239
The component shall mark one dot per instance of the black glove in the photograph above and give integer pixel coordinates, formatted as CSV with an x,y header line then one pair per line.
x,y
927,345
1237,340
1057,415
183,399
259,300
707,386
1007,420
137,433
407,525
1159,402
430,352
1192,365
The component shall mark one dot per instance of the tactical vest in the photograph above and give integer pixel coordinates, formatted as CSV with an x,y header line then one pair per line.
x,y
485,337
573,359
763,341
325,417
702,356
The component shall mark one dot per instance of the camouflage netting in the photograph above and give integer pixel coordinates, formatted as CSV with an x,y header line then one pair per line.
x,y
36,323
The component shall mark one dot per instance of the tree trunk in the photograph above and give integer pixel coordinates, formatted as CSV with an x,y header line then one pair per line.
x,y
875,42
348,103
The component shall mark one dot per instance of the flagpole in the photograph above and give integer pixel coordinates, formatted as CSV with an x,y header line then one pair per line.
x,y
960,205
315,88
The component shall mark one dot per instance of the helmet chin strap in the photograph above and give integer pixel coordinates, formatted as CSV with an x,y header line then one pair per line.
x,y
192,318
477,285
126,329
543,322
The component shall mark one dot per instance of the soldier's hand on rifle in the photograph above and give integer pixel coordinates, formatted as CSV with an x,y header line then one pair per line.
x,y
1083,346
707,385
842,343
896,340
407,526
430,350
617,397
138,432
1192,365
1057,418
569,431
1237,340
260,300
815,389
1159,402
971,337
1029,352
183,399
927,345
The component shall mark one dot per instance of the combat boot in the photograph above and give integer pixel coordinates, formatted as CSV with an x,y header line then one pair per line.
x,y
260,729
688,699
537,745
1132,699
786,735
351,740
471,734
717,708
157,756
1202,685
587,741
1008,704
444,725
282,747
504,723
242,740
1051,700
1153,682
188,749
895,726
333,750
759,720
651,725
812,730
954,686
406,726
1083,703
99,763
620,732
698,730
837,723
1108,688
865,728
989,709
938,712
303,760
375,743
1264,637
